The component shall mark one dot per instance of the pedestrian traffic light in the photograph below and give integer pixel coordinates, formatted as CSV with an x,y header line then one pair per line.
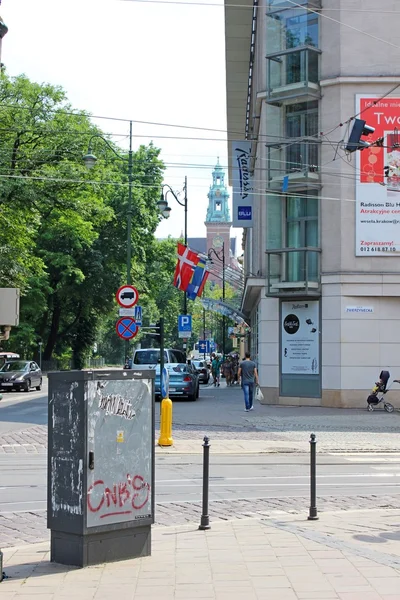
x,y
355,142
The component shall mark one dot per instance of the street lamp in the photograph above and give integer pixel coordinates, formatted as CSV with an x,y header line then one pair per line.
x,y
90,160
217,255
165,210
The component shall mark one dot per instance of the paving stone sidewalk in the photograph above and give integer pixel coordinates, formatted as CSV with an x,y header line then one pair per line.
x,y
18,528
287,558
234,440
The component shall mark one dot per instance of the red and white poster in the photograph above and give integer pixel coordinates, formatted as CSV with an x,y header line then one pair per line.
x,y
377,195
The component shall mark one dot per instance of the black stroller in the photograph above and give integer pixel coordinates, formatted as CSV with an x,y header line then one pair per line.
x,y
378,392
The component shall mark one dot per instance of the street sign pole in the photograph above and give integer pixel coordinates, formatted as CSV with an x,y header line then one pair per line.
x,y
161,355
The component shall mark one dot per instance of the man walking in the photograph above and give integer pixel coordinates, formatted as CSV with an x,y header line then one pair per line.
x,y
216,370
248,376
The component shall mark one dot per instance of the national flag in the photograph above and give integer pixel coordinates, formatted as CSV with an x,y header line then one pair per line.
x,y
187,261
198,281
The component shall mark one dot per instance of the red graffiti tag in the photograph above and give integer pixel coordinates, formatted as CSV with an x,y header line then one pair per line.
x,y
129,495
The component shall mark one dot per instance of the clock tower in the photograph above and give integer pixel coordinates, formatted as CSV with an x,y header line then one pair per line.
x,y
218,221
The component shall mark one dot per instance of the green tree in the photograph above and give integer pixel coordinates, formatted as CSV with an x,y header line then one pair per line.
x,y
70,257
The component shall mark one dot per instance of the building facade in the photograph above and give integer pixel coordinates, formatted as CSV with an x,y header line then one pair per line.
x,y
321,260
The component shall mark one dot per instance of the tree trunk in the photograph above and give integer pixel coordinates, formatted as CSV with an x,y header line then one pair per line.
x,y
55,323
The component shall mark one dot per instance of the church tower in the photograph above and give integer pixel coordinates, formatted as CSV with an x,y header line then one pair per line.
x,y
218,221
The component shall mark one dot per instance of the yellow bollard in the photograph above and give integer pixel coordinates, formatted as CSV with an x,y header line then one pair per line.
x,y
165,438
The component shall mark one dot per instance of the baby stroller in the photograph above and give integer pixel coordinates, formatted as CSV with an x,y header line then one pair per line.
x,y
378,392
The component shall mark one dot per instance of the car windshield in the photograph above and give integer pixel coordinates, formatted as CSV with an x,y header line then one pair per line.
x,y
199,364
17,365
148,357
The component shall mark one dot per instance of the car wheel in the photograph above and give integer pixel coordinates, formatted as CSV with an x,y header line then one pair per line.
x,y
39,387
198,391
192,397
27,385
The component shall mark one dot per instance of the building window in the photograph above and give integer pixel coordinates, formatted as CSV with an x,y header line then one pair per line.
x,y
302,232
301,120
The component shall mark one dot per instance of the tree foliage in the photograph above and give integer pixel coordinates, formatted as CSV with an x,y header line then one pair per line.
x,y
63,229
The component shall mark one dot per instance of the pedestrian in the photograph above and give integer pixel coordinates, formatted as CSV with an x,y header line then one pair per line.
x,y
248,376
216,370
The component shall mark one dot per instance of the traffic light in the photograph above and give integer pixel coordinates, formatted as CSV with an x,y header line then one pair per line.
x,y
355,142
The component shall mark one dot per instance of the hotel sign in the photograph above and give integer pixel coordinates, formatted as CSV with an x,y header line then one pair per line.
x,y
242,198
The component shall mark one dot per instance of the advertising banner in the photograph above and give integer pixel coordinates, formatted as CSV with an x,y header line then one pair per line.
x,y
242,183
300,338
378,179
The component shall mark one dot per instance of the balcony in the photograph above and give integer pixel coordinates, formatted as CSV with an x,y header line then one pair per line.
x,y
294,272
293,74
298,160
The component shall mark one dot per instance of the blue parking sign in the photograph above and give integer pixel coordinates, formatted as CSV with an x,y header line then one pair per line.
x,y
185,326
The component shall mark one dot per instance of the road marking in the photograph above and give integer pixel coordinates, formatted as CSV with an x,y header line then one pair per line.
x,y
279,477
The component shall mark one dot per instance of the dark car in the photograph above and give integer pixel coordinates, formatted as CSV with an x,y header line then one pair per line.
x,y
183,381
201,368
20,375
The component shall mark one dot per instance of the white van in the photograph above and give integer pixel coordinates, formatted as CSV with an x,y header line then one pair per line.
x,y
150,357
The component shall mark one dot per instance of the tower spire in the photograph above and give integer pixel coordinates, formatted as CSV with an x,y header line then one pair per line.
x,y
218,208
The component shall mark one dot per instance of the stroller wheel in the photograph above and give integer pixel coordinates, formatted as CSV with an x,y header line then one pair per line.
x,y
388,407
370,408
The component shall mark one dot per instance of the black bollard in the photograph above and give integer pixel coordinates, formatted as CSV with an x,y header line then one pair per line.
x,y
312,516
205,518
1,566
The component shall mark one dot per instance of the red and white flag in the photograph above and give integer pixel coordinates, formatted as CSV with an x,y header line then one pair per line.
x,y
187,261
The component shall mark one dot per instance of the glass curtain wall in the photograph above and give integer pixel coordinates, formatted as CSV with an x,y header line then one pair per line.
x,y
286,31
301,232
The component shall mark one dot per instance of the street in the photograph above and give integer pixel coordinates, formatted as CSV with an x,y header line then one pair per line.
x,y
179,478
358,461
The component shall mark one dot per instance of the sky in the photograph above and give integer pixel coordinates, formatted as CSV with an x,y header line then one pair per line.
x,y
158,62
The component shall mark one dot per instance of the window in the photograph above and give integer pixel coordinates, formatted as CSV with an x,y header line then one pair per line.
x,y
301,121
301,232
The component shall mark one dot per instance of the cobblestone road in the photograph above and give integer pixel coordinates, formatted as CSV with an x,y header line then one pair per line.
x,y
30,527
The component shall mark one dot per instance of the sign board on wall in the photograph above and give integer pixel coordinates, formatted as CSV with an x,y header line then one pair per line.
x,y
300,338
377,205
242,185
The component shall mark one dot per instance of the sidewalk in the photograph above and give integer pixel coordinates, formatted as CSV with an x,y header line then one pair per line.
x,y
341,556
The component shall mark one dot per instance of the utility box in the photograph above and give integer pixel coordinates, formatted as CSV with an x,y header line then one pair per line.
x,y
100,504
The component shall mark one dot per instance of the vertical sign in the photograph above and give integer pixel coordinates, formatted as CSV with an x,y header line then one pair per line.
x,y
300,338
242,182
377,205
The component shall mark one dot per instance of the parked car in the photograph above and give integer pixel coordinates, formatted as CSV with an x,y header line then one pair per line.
x,y
183,381
150,357
201,367
20,375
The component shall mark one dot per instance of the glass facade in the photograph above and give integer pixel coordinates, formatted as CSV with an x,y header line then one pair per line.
x,y
292,54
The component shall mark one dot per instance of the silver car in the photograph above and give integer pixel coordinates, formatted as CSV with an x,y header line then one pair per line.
x,y
20,375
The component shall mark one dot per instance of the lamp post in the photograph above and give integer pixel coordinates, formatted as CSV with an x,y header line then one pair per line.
x,y
165,210
90,160
217,255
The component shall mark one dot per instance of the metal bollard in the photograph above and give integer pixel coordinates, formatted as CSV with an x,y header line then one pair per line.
x,y
312,515
1,566
205,518
165,438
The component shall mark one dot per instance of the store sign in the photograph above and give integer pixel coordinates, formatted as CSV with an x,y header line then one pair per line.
x,y
300,338
378,195
242,183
